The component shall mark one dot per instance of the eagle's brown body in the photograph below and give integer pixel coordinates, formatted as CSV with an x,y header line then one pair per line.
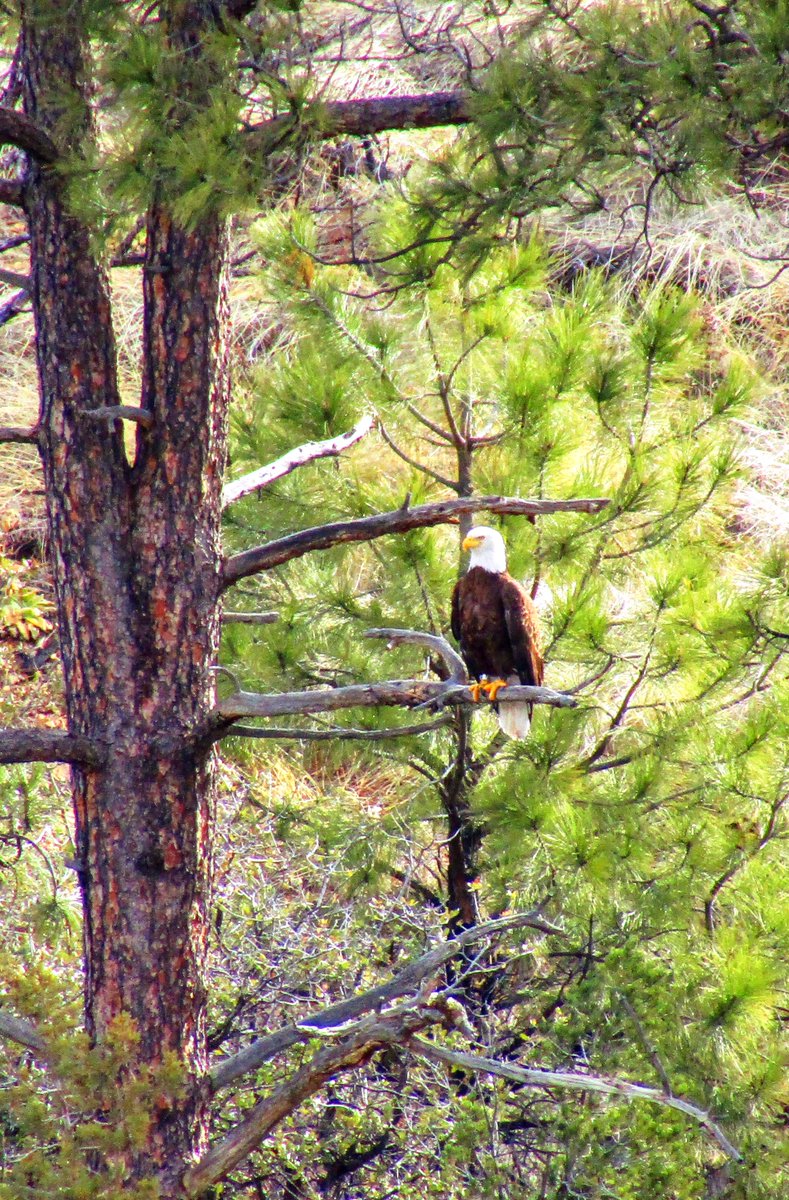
x,y
496,625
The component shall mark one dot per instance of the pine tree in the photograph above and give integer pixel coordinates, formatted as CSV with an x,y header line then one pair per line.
x,y
648,819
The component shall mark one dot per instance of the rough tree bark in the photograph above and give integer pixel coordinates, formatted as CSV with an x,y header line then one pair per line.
x,y
136,561
137,564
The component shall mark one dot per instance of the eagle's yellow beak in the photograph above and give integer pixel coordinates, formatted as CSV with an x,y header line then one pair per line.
x,y
469,543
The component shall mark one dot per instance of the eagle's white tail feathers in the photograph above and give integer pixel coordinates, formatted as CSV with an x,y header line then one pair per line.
x,y
514,719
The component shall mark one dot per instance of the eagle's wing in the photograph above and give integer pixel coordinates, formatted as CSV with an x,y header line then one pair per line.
x,y
524,632
455,620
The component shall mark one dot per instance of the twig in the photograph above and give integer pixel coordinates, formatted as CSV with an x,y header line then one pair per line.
x,y
339,731
413,462
249,618
431,641
309,452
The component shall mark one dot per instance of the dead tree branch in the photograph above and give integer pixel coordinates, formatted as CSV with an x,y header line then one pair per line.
x,y
404,982
357,1049
47,745
309,452
364,529
575,1081
362,117
397,693
338,731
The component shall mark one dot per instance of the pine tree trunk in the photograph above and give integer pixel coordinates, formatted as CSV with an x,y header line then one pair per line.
x,y
135,554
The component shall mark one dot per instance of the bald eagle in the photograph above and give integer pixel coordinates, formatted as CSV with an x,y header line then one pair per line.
x,y
495,623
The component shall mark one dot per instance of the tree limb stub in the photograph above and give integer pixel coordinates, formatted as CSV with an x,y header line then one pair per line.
x,y
404,982
575,1081
309,452
14,1029
364,117
363,529
17,129
21,434
11,192
47,745
14,279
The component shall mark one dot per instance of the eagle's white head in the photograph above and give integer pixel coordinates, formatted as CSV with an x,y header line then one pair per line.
x,y
487,549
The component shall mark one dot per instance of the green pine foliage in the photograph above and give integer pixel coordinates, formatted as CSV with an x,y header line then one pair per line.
x,y
648,820
611,108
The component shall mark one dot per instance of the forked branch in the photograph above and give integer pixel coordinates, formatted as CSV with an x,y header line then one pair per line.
x,y
365,529
407,981
399,693
359,1036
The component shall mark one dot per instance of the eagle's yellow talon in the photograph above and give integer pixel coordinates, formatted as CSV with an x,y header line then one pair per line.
x,y
493,689
476,690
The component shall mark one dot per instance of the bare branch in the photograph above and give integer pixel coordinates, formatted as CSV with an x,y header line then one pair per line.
x,y
249,618
359,118
17,129
338,731
363,529
575,1081
413,462
404,982
17,1030
438,645
121,412
24,434
47,745
307,453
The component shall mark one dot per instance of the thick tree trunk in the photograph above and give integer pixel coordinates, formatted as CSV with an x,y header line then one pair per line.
x,y
135,550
